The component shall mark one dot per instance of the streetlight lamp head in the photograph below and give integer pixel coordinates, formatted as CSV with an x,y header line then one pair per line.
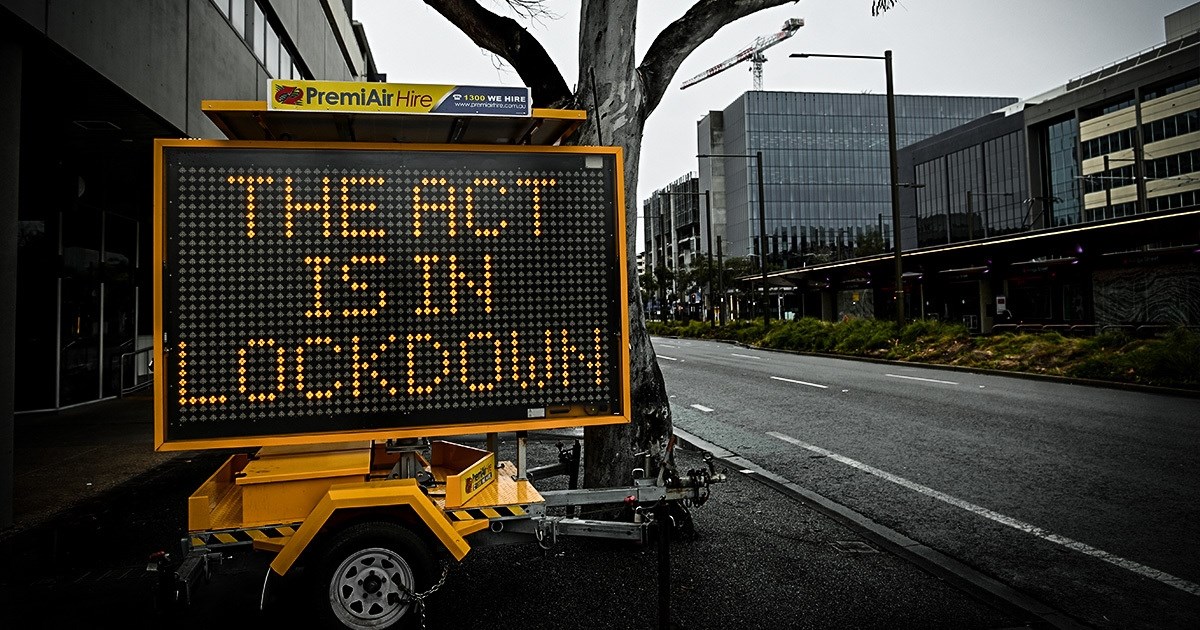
x,y
799,55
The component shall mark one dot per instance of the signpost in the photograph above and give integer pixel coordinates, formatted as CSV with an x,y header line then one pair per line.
x,y
334,292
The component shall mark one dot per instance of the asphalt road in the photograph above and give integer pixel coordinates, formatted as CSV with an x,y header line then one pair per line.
x,y
1084,498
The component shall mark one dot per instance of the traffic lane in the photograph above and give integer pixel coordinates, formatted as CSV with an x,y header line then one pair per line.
x,y
1097,592
1173,410
1083,473
1027,448
838,486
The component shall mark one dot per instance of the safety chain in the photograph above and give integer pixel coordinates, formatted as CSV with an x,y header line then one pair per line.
x,y
419,598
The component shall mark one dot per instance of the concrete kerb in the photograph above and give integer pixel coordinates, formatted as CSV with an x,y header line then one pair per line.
x,y
968,579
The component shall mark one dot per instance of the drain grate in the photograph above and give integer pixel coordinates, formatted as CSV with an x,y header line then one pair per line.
x,y
853,546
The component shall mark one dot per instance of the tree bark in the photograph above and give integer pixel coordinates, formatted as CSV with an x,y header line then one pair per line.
x,y
616,116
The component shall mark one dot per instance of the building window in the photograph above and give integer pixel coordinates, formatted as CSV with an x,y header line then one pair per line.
x,y
1172,166
1062,171
1172,126
272,60
1171,86
259,26
251,24
1124,101
1111,143
237,15
1107,180
1187,199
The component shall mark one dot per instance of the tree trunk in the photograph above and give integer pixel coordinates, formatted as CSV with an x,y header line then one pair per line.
x,y
617,116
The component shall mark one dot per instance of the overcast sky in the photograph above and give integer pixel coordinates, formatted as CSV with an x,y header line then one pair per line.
x,y
1016,48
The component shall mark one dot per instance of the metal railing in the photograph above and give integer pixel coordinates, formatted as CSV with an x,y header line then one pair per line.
x,y
137,370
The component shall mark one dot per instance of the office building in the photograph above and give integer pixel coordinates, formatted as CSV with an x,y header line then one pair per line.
x,y
1075,209
825,168
672,243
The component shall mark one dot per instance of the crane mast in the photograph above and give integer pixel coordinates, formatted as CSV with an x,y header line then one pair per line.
x,y
753,54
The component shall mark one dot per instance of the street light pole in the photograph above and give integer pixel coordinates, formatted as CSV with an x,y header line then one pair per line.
x,y
894,169
663,276
720,283
712,298
895,172
762,238
762,223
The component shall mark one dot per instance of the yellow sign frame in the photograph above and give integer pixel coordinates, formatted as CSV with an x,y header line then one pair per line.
x,y
575,416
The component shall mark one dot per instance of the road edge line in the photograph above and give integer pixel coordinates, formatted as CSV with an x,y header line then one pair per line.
x,y
966,578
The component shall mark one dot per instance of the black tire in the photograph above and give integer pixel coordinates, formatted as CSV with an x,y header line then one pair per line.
x,y
363,579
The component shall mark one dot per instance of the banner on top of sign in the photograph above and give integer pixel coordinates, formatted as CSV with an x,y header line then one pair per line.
x,y
399,98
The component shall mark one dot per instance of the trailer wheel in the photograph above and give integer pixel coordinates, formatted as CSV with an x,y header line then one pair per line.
x,y
368,575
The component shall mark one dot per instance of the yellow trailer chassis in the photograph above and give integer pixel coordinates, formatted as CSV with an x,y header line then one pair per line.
x,y
334,506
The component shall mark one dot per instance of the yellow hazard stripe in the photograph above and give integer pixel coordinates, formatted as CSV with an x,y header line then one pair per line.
x,y
487,513
240,536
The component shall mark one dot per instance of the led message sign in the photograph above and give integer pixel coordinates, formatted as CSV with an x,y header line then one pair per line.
x,y
350,290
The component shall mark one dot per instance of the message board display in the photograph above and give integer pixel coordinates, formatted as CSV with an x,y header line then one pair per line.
x,y
329,292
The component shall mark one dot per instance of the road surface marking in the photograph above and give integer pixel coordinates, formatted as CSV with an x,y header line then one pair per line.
x,y
743,356
666,357
1129,565
789,380
917,378
668,345
702,408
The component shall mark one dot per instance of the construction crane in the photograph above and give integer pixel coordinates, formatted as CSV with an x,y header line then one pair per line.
x,y
753,54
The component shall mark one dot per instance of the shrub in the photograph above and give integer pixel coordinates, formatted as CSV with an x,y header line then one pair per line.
x,y
861,336
805,334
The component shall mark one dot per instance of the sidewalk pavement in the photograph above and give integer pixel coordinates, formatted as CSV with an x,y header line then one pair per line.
x,y
89,486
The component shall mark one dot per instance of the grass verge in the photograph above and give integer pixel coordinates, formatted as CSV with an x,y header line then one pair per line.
x,y
1168,360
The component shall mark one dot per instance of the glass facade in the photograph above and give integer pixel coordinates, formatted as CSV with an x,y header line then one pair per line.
x,y
992,174
825,169
1061,160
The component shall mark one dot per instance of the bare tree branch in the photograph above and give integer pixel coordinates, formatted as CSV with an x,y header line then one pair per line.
x,y
682,36
511,42
879,6
533,10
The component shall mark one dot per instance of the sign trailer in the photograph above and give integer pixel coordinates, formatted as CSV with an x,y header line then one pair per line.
x,y
325,308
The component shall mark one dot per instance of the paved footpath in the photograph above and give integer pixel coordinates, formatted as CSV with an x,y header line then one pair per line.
x,y
759,558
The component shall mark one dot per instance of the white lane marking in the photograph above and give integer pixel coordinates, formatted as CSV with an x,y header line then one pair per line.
x,y
666,357
918,378
702,408
791,380
1129,565
668,345
742,356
